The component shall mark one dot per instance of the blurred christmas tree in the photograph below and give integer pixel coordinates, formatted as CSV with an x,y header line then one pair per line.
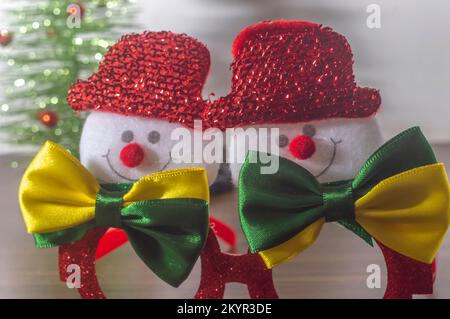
x,y
51,44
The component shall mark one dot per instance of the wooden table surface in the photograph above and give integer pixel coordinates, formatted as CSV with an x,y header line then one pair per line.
x,y
335,267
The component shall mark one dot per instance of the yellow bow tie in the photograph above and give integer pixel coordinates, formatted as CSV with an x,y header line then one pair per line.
x,y
165,215
282,214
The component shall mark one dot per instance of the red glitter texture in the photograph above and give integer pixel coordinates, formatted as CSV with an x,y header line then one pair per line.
x,y
152,74
82,253
283,71
302,147
291,71
219,268
406,276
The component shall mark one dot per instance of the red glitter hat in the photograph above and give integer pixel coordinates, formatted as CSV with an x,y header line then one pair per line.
x,y
291,71
152,74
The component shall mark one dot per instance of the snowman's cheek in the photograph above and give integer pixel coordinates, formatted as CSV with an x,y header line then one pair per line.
x,y
99,168
93,157
321,153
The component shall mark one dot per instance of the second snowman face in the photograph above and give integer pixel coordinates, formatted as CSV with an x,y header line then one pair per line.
x,y
331,150
118,148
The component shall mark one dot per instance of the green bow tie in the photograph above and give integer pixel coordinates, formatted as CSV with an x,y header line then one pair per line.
x,y
274,208
165,214
167,234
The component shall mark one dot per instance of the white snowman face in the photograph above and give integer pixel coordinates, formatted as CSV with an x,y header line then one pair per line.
x,y
118,148
331,150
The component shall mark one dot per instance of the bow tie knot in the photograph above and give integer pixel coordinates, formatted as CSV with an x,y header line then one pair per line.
x,y
339,202
108,208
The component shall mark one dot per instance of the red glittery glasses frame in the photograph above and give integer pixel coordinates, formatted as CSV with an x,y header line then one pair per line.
x,y
218,268
405,276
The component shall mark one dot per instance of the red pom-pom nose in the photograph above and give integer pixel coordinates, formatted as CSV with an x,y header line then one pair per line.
x,y
132,155
302,147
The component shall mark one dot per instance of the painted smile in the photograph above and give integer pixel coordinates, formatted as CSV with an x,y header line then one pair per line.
x,y
127,178
333,156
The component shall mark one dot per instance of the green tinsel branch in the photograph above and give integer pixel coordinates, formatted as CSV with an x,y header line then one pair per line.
x,y
45,57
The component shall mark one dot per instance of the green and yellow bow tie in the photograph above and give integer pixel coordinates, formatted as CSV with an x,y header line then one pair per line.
x,y
400,197
165,215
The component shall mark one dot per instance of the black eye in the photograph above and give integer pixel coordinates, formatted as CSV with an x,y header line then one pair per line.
x,y
283,140
309,130
127,136
153,137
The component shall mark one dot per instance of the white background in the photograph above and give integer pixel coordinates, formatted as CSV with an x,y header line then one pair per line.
x,y
408,58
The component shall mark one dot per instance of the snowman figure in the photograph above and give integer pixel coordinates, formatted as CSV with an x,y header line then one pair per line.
x,y
297,77
147,86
